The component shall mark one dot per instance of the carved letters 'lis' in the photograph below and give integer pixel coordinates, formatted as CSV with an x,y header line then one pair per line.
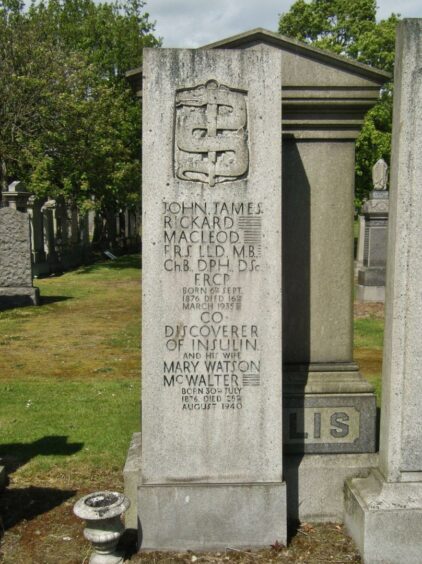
x,y
211,138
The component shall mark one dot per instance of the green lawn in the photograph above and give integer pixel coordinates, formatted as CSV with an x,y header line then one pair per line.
x,y
69,372
368,344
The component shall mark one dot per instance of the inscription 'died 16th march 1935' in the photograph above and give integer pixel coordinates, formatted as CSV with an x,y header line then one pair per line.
x,y
211,134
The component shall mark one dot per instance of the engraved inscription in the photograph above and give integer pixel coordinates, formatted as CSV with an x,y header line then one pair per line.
x,y
211,134
316,425
213,252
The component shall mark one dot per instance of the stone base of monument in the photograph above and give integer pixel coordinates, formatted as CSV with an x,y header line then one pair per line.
x,y
211,516
385,519
371,285
19,296
370,293
315,484
328,408
202,516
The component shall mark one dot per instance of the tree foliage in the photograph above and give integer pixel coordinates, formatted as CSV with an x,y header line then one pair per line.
x,y
72,123
349,28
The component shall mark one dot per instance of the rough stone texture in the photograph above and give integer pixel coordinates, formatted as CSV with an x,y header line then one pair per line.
x,y
211,432
384,511
15,257
384,519
15,260
401,429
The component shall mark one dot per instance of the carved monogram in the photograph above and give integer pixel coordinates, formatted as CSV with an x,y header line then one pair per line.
x,y
211,134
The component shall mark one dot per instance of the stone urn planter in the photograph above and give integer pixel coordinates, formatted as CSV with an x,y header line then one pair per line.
x,y
102,513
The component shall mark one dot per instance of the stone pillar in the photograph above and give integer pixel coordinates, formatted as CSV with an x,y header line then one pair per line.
x,y
49,232
16,196
36,223
211,469
329,406
16,287
360,246
384,511
371,274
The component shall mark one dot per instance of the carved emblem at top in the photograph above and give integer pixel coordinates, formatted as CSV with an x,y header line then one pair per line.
x,y
211,134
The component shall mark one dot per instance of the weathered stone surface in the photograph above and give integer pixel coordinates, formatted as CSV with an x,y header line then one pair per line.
x,y
384,511
15,257
211,397
384,519
401,427
15,260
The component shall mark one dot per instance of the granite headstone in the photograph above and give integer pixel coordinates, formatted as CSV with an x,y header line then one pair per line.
x,y
211,470
16,287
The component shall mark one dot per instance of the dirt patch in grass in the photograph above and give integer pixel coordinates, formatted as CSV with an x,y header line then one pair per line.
x,y
370,309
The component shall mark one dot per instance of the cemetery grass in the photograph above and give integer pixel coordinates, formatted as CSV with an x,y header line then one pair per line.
x,y
69,403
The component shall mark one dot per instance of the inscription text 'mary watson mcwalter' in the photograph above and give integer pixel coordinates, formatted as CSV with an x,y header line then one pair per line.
x,y
211,463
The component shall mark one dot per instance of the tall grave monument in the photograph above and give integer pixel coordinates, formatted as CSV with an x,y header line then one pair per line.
x,y
16,287
329,409
384,511
211,463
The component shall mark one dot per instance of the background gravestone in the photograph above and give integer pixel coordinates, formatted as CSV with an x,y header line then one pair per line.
x,y
371,274
16,287
383,512
211,469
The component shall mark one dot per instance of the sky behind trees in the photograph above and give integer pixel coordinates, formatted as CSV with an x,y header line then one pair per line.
x,y
190,23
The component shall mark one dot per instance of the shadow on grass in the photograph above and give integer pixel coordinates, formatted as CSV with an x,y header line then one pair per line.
x,y
24,504
15,455
120,263
18,504
46,300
